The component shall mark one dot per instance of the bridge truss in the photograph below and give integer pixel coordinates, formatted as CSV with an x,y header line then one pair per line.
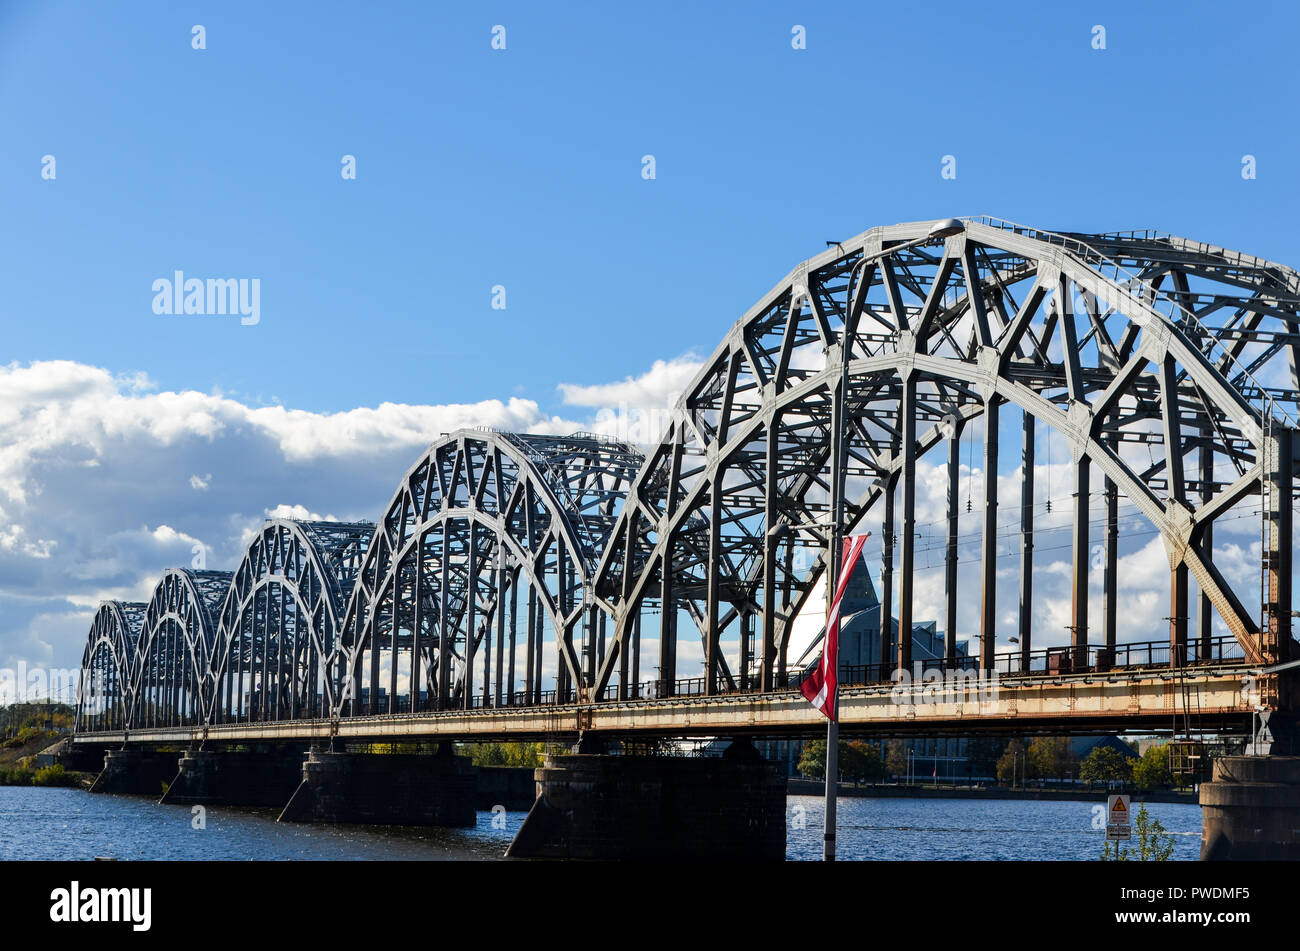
x,y
522,570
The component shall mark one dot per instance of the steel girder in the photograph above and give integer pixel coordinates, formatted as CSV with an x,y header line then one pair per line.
x,y
482,517
278,622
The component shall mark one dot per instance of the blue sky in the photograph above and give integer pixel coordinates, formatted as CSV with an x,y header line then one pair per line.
x,y
522,168
128,438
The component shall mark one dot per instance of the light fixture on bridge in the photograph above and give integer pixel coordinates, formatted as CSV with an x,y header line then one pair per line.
x,y
946,228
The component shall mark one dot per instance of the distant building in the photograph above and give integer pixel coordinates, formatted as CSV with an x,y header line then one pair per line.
x,y
860,631
859,652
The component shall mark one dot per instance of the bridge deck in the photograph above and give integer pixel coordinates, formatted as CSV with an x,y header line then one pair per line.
x,y
1207,698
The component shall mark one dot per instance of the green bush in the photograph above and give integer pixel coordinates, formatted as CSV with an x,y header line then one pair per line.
x,y
1153,843
15,776
1106,764
54,775
1152,770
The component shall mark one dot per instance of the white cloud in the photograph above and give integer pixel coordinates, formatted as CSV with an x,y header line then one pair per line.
x,y
105,482
657,388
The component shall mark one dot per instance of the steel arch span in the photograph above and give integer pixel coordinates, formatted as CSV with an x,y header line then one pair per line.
x,y
481,519
821,398
106,687
173,679
278,625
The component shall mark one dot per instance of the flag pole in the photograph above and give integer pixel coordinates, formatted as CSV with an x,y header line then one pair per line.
x,y
832,777
836,539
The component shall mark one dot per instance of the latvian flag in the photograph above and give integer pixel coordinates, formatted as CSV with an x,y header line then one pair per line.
x,y
819,686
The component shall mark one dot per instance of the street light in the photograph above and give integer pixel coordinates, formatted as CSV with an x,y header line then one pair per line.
x,y
781,529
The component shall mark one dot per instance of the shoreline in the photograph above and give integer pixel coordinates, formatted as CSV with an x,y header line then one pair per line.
x,y
812,787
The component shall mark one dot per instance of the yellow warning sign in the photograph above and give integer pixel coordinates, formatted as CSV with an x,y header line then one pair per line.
x,y
1117,817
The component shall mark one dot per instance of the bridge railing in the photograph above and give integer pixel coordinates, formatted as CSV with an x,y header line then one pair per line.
x,y
1050,661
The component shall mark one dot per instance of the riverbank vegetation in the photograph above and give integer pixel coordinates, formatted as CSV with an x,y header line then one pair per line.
x,y
1150,843
859,761
1041,761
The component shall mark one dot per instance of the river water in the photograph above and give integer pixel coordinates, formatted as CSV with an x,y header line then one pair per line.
x,y
69,824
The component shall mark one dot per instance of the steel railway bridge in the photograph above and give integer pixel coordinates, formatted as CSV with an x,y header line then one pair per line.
x,y
522,585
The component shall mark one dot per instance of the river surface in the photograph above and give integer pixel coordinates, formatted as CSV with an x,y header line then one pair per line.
x,y
69,824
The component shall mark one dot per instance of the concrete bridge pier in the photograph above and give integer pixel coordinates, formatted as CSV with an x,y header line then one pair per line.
x,y
135,771
594,806
1251,809
223,778
384,789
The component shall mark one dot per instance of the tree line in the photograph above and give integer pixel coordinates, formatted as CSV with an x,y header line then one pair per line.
x,y
1012,762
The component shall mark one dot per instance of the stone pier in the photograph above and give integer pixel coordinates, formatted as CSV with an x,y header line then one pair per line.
x,y
656,807
219,778
1251,809
384,789
134,771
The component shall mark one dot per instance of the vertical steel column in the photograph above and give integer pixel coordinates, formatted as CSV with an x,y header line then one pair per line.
x,y
712,636
530,635
989,542
771,547
417,641
279,651
887,530
266,654
514,636
493,612
1278,478
1081,552
907,425
501,621
373,705
636,651
444,628
392,638
623,644
565,632
667,626
593,643
950,553
600,639
746,650
784,645
1028,438
539,645
628,610
285,604
1110,601
1205,613
1171,412
471,616
1178,615
490,616
238,668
